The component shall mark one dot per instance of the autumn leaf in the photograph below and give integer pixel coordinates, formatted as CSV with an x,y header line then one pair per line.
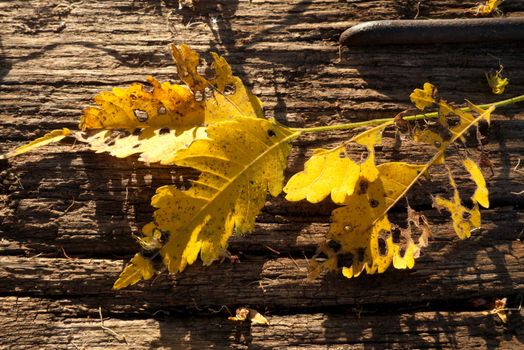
x,y
425,97
50,137
464,219
158,122
240,161
487,8
496,82
138,269
332,171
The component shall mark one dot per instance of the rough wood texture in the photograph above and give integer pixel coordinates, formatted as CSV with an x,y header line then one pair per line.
x,y
65,226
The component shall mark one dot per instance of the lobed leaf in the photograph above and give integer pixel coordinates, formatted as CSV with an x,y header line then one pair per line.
x,y
425,97
138,269
240,161
332,171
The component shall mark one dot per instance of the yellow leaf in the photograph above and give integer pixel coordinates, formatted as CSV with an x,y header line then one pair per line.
x,y
327,171
496,82
50,137
362,227
157,123
240,161
464,219
332,171
138,269
244,313
489,7
423,98
481,193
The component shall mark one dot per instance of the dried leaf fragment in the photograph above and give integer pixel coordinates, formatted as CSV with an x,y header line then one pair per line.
x,y
244,313
496,81
139,268
489,7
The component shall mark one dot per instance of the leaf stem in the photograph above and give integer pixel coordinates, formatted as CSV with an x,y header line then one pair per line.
x,y
409,118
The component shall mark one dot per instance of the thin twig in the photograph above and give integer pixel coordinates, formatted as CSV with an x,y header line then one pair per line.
x,y
112,332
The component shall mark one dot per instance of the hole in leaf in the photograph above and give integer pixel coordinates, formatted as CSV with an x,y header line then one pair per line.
x,y
395,235
164,131
361,254
208,93
137,131
345,260
141,115
437,144
373,203
161,109
133,97
382,247
342,155
271,133
466,215
199,97
402,251
230,89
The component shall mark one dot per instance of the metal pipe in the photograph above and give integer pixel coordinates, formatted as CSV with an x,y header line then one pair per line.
x,y
434,31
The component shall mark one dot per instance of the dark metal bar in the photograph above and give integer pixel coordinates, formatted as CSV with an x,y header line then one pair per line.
x,y
434,31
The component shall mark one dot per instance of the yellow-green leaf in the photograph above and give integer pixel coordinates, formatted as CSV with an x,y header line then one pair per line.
x,y
423,98
50,137
240,161
138,269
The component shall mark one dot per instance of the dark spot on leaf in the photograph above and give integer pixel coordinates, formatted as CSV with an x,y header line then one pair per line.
x,y
334,245
133,97
342,155
362,187
373,203
466,215
163,131
270,133
136,146
137,131
437,144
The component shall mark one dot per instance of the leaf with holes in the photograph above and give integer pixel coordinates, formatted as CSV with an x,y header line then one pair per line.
x,y
158,122
366,239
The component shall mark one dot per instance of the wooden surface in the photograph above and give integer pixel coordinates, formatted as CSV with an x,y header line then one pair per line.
x,y
67,216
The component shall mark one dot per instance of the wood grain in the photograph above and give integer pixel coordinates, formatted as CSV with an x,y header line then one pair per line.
x,y
67,219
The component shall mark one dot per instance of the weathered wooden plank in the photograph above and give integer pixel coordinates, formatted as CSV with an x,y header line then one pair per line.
x,y
461,270
31,322
54,57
